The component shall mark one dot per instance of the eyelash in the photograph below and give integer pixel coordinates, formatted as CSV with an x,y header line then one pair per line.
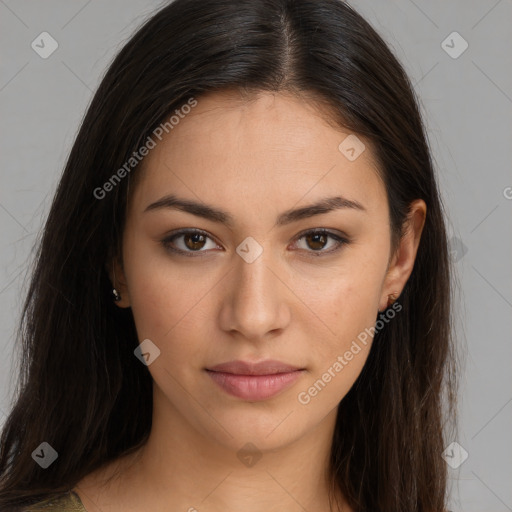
x,y
341,241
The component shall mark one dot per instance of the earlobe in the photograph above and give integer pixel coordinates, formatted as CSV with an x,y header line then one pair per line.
x,y
403,260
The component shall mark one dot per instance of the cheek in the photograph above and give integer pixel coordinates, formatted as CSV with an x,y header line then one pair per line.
x,y
346,306
350,318
346,296
171,302
338,357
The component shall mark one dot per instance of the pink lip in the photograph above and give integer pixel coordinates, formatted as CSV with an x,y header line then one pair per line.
x,y
254,381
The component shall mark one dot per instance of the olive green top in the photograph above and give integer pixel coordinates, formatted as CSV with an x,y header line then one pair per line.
x,y
66,502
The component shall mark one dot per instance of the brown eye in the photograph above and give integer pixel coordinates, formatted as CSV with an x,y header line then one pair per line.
x,y
316,241
194,241
188,242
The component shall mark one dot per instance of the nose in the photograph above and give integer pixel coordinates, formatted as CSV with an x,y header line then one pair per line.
x,y
254,303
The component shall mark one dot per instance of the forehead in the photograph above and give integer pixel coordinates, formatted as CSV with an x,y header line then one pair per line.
x,y
270,147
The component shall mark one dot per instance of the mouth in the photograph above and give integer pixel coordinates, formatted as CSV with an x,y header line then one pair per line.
x,y
254,381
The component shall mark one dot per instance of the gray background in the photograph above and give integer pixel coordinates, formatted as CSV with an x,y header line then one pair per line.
x,y
467,106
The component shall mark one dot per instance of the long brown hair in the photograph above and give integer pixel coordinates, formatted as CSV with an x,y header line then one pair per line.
x,y
80,387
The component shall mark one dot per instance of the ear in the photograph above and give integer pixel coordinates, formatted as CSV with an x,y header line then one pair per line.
x,y
118,280
402,261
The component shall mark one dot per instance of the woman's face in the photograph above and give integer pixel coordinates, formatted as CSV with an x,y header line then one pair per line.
x,y
257,283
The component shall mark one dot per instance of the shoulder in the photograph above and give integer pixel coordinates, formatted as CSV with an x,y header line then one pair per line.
x,y
65,502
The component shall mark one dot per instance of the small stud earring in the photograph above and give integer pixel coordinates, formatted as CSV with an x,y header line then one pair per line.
x,y
116,294
392,299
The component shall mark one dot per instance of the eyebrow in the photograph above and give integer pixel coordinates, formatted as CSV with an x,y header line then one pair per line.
x,y
215,214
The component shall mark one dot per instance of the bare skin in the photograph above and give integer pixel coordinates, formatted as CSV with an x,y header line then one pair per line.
x,y
300,301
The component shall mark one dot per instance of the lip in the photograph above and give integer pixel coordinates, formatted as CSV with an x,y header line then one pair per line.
x,y
254,381
266,367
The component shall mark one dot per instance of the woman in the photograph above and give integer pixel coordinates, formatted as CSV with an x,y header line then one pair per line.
x,y
242,293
